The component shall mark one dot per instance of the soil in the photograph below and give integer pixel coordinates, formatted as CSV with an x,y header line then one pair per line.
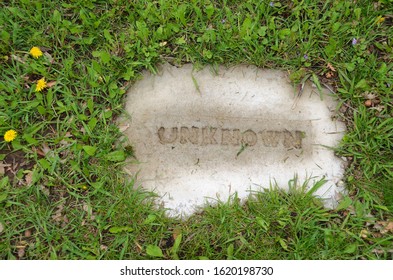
x,y
15,161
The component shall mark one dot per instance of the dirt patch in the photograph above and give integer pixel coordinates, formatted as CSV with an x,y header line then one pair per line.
x,y
13,162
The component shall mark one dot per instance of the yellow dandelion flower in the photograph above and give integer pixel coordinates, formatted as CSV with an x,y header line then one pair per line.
x,y
36,52
10,135
41,84
380,20
84,187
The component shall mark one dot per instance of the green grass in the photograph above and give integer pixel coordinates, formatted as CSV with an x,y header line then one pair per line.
x,y
62,192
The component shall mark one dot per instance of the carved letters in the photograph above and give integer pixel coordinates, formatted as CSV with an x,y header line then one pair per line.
x,y
222,136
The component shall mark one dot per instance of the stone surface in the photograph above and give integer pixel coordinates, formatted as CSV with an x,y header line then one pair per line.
x,y
201,136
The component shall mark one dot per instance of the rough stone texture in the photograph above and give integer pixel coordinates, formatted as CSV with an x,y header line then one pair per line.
x,y
200,136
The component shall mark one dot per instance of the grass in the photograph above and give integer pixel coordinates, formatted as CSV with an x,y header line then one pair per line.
x,y
62,192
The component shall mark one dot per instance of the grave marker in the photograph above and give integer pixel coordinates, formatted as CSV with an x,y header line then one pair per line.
x,y
239,129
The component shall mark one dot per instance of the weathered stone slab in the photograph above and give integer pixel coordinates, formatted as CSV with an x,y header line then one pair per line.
x,y
199,135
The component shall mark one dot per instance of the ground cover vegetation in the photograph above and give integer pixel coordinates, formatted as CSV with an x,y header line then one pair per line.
x,y
65,68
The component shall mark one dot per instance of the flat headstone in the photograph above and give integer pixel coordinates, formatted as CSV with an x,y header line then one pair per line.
x,y
200,136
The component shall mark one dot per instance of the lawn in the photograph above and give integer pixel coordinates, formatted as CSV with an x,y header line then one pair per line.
x,y
63,194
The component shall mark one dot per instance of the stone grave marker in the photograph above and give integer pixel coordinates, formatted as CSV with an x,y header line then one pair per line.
x,y
201,136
